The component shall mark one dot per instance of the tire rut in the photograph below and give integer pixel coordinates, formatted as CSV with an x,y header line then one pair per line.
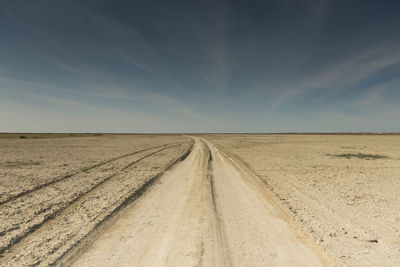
x,y
221,240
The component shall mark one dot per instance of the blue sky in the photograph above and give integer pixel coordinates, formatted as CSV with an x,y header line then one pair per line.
x,y
199,66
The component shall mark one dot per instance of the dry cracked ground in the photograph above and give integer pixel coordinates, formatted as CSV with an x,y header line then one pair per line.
x,y
201,200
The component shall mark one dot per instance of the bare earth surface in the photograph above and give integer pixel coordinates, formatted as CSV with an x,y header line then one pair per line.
x,y
342,189
41,220
210,200
26,164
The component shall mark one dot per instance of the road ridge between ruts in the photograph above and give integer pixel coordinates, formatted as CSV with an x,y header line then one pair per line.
x,y
133,195
216,220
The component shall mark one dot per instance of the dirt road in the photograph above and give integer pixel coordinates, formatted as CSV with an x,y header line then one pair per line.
x,y
204,211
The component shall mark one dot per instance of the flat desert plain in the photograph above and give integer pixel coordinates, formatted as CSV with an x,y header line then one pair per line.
x,y
209,200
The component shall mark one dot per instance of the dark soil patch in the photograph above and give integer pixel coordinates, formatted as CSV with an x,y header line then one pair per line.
x,y
359,156
13,164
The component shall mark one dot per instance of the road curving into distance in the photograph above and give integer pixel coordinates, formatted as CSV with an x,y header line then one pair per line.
x,y
204,211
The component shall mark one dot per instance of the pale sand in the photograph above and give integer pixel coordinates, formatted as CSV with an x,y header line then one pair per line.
x,y
202,212
280,200
350,206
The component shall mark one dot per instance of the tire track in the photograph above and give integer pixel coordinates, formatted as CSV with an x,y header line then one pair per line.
x,y
76,172
219,249
326,215
62,237
174,224
257,232
82,243
37,219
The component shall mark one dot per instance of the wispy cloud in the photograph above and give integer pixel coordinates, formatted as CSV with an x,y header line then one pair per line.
x,y
84,70
9,83
81,14
134,62
354,69
157,72
344,74
31,26
5,70
55,100
376,96
163,102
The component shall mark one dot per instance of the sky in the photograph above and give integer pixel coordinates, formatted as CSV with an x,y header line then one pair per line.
x,y
199,66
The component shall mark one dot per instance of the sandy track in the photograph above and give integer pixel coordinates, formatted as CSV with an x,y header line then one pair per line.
x,y
204,211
